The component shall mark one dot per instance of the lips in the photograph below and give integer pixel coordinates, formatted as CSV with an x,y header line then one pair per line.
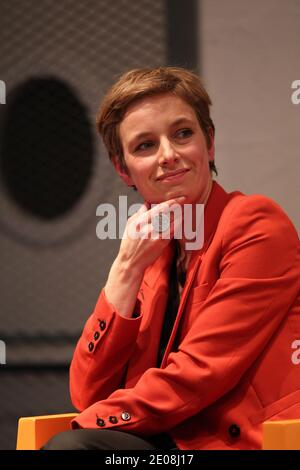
x,y
172,173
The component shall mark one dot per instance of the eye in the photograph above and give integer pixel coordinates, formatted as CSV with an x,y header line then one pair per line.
x,y
184,133
144,146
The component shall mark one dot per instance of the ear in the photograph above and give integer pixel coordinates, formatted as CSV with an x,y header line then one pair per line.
x,y
211,149
121,172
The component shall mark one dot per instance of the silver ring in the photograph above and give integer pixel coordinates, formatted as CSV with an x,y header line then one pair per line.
x,y
161,222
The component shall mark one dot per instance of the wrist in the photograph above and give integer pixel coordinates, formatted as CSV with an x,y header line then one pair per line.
x,y
126,268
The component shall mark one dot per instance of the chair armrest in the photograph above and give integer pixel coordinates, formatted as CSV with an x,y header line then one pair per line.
x,y
281,435
35,431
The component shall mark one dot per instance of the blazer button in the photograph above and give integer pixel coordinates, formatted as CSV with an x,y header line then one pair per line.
x,y
100,422
102,325
125,416
234,431
96,335
113,419
91,346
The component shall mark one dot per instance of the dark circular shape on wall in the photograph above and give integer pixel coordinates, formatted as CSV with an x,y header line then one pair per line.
x,y
47,147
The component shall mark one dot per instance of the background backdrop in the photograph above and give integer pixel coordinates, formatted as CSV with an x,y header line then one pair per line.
x,y
57,60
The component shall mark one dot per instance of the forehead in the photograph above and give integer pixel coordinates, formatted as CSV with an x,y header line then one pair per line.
x,y
153,110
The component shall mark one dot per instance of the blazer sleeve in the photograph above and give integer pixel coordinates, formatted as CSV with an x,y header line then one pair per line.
x,y
259,280
107,338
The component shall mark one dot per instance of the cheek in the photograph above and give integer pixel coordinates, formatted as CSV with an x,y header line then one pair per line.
x,y
197,151
139,174
142,169
200,162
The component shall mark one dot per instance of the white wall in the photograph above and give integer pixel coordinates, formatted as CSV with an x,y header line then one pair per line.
x,y
250,55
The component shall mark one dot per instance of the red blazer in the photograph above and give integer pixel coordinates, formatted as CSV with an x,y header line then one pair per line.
x,y
230,361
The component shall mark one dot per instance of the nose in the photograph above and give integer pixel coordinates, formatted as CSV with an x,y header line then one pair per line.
x,y
168,154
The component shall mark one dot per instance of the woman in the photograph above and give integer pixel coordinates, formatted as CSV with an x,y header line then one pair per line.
x,y
188,349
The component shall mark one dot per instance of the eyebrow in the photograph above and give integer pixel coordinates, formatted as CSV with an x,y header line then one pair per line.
x,y
177,121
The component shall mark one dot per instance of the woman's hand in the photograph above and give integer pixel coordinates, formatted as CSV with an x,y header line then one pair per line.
x,y
142,242
141,245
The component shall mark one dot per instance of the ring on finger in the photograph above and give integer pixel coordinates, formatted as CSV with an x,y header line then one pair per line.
x,y
161,222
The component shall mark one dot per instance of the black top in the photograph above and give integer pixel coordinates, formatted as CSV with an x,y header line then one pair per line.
x,y
172,304
163,440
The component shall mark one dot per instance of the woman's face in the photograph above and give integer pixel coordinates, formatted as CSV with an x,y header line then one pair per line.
x,y
165,150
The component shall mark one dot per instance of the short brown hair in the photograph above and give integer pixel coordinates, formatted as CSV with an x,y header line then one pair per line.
x,y
140,83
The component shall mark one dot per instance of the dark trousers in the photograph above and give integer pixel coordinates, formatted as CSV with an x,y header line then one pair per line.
x,y
105,439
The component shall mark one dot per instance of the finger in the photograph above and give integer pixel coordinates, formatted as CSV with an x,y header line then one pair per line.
x,y
179,200
142,210
166,205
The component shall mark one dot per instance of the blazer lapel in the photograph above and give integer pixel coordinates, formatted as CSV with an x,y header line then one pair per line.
x,y
212,213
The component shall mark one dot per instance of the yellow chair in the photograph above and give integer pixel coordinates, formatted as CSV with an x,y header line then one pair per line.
x,y
34,432
281,435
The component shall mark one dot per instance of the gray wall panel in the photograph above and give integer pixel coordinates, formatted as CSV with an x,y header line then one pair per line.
x,y
249,58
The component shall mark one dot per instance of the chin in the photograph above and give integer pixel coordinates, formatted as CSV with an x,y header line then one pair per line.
x,y
174,194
